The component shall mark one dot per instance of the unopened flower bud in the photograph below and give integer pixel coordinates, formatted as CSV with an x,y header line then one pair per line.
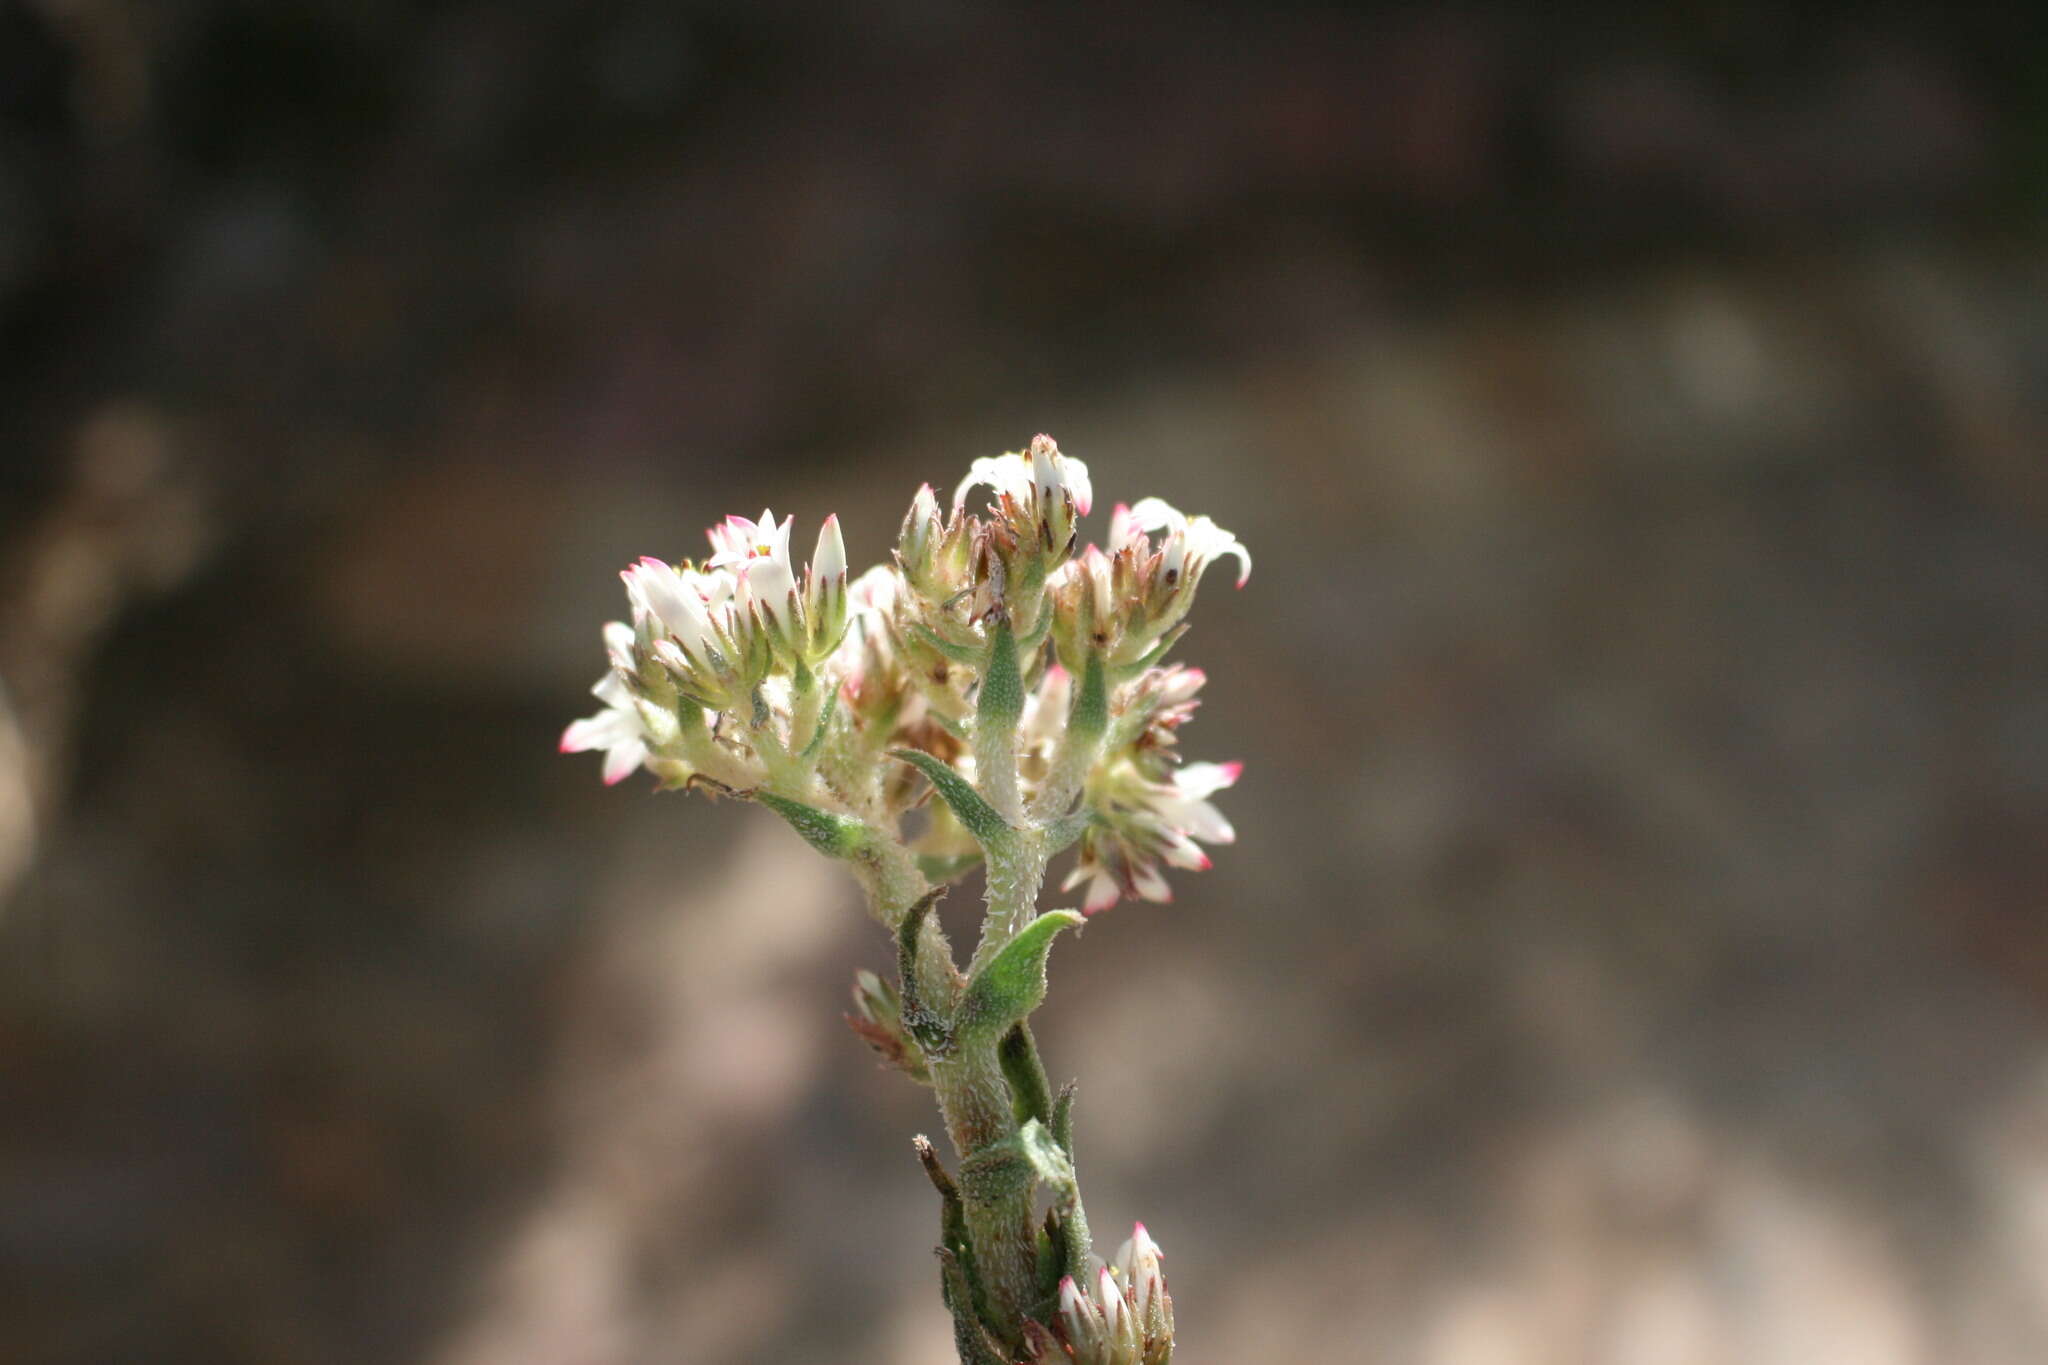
x,y
825,604
1085,615
1083,1326
1151,1306
933,552
878,1019
1040,496
1120,1321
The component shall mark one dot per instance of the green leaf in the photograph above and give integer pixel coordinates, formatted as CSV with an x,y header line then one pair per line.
x,y
1026,1158
1063,1118
959,654
953,1234
1012,983
817,739
1090,718
835,836
1048,1162
970,1339
977,815
1001,700
925,1024
939,868
1030,1092
1061,833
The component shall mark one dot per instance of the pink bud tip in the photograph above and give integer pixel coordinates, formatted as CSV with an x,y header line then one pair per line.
x,y
1233,769
615,781
1053,672
567,747
1205,865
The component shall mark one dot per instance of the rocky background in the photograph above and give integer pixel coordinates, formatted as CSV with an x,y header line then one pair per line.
x,y
1636,950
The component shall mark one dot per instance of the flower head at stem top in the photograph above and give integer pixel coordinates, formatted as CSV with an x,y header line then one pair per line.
x,y
992,697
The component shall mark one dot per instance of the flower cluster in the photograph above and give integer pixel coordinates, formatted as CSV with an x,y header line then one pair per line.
x,y
745,673
995,695
1125,1317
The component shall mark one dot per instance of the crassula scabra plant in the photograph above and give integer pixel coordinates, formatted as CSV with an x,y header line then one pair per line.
x,y
1026,687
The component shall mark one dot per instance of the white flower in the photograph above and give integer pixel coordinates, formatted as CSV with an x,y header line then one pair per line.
x,y
825,589
617,729
1039,497
1147,821
740,544
686,604
1191,543
1122,1316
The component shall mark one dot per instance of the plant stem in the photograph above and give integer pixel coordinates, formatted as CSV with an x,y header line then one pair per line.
x,y
975,1101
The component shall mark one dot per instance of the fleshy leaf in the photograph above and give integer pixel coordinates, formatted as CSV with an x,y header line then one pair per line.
x,y
940,868
953,1236
1091,704
1001,700
835,836
977,815
1030,1092
1012,983
970,1339
924,1023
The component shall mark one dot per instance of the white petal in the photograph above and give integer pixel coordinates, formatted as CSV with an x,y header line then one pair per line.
x,y
1124,530
1182,851
1149,884
1079,484
622,759
829,560
1156,514
604,730
619,640
1207,541
1009,474
1102,889
1197,780
1197,818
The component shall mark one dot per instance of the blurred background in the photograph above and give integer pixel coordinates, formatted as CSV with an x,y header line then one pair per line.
x,y
1636,947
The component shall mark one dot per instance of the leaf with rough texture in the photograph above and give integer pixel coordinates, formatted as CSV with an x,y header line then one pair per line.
x,y
1090,718
1001,699
924,1023
942,867
1012,983
970,1338
976,815
1030,1092
835,836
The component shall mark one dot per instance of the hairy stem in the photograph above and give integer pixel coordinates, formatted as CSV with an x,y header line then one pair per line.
x,y
975,1100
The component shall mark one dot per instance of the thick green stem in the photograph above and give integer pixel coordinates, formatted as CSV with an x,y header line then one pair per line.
x,y
893,884
1086,725
997,710
1015,869
975,1100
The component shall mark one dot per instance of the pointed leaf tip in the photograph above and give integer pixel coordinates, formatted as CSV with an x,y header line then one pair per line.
x,y
977,815
835,836
1012,983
